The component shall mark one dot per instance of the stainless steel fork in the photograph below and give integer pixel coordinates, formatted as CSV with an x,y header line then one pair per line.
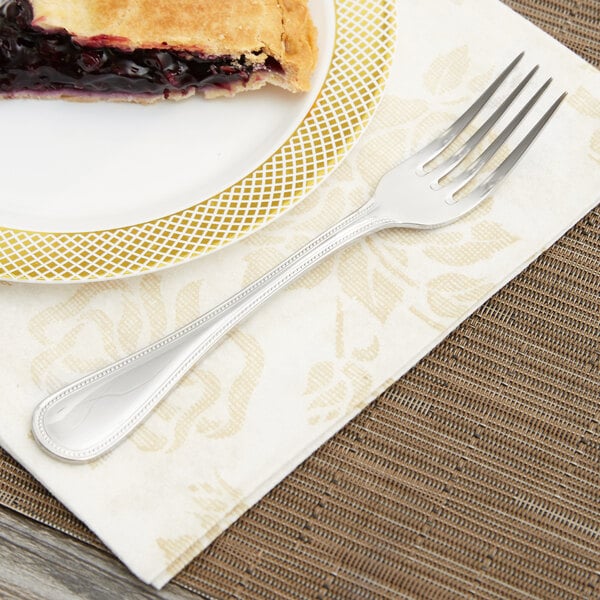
x,y
92,415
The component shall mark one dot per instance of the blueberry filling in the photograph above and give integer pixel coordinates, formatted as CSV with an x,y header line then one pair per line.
x,y
33,59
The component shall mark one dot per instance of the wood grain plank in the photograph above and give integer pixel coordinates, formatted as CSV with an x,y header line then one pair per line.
x,y
38,563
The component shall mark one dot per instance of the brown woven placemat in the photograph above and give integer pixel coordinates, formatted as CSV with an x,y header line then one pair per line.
x,y
475,475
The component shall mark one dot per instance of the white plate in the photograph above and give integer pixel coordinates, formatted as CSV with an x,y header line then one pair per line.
x,y
87,166
88,188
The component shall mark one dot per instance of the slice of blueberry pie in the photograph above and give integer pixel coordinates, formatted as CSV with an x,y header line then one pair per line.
x,y
145,50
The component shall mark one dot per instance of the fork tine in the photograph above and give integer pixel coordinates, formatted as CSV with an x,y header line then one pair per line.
x,y
449,164
483,190
513,158
438,145
489,152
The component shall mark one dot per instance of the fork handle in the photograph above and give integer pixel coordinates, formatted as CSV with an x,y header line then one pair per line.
x,y
92,415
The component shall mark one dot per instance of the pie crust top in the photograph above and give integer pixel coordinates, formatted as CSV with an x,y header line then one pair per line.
x,y
282,29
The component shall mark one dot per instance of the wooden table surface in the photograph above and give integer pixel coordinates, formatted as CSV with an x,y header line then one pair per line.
x,y
39,563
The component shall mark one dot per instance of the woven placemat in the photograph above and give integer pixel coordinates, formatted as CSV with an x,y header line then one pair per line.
x,y
476,474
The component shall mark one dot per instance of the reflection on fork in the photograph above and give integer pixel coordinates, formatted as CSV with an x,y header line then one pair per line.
x,y
92,415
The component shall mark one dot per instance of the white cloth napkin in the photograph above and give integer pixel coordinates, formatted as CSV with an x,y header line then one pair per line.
x,y
306,363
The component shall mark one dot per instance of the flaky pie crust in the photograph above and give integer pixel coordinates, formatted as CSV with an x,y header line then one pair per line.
x,y
282,29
